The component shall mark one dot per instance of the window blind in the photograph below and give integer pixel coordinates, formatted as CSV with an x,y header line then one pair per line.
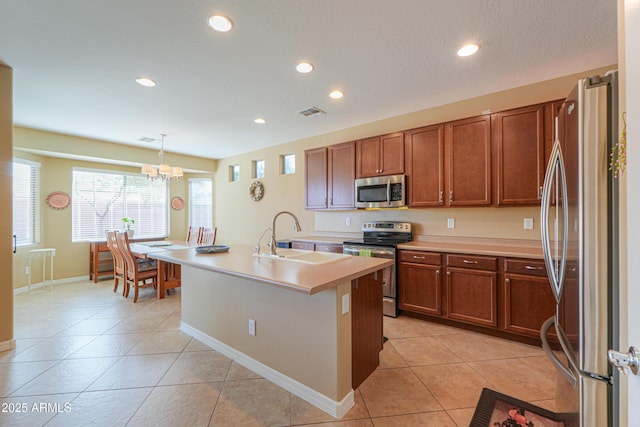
x,y
200,202
101,199
26,206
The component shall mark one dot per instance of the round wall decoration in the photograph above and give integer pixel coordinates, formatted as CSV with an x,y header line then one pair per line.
x,y
58,200
256,191
177,203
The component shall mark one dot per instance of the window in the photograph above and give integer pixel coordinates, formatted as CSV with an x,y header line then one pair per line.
x,y
234,173
258,168
101,199
288,163
201,202
26,178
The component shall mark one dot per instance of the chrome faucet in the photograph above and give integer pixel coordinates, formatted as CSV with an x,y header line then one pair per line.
x,y
272,244
257,246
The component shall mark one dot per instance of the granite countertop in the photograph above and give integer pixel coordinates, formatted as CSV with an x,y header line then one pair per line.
x,y
301,277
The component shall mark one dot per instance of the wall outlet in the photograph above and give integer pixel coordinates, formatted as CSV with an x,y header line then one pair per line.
x,y
451,223
26,271
528,223
252,327
345,303
347,221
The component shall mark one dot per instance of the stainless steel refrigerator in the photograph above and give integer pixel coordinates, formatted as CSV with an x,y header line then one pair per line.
x,y
580,243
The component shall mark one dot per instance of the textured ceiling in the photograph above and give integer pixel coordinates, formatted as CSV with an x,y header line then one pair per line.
x,y
75,62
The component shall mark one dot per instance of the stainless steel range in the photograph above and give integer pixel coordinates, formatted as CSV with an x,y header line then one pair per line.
x,y
379,239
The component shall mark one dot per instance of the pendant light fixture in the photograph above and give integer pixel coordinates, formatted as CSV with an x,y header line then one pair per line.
x,y
164,171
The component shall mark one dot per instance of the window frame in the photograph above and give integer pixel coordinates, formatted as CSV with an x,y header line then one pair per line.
x,y
34,211
115,217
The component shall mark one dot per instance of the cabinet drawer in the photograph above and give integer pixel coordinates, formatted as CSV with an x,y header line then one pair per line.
x,y
530,267
329,247
472,261
420,257
307,246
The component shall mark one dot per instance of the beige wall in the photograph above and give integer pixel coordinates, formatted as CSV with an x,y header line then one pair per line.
x,y
239,219
6,187
72,259
293,330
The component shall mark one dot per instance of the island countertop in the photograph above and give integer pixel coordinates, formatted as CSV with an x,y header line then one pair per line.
x,y
301,277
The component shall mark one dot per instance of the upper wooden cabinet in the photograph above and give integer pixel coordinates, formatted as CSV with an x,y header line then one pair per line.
x,y
519,141
468,164
341,176
315,176
329,177
380,155
424,161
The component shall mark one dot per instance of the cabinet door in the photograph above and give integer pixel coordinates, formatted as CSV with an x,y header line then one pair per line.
x,y
368,157
468,146
366,326
419,288
425,166
519,142
341,185
471,296
315,178
392,154
551,110
528,302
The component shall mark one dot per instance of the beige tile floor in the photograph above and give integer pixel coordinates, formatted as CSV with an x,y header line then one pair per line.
x,y
87,356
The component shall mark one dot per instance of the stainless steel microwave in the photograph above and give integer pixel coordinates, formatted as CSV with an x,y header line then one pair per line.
x,y
380,192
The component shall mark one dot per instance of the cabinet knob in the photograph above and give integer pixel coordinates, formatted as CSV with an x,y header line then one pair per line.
x,y
448,273
507,281
438,272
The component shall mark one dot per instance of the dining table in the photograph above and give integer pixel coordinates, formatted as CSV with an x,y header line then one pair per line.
x,y
169,274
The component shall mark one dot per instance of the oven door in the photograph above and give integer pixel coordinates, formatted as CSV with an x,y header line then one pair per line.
x,y
389,301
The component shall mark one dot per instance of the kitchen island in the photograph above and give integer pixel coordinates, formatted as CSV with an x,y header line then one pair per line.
x,y
294,323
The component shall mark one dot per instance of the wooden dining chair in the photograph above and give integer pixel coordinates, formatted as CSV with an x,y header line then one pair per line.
x,y
208,236
118,262
194,235
138,274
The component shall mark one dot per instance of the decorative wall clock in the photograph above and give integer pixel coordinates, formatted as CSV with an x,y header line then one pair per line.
x,y
58,200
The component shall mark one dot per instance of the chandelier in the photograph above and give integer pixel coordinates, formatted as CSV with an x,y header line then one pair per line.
x,y
164,171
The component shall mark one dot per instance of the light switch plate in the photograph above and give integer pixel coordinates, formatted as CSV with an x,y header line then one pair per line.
x,y
451,223
252,327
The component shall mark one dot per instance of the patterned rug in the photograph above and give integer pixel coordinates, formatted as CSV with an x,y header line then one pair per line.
x,y
498,410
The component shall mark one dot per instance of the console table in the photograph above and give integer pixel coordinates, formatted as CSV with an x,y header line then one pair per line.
x,y
44,252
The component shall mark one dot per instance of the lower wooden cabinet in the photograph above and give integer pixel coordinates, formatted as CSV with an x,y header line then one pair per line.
x,y
528,299
421,289
511,295
366,326
472,296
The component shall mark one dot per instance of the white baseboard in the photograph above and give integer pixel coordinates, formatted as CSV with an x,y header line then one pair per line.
x,y
7,345
25,289
319,400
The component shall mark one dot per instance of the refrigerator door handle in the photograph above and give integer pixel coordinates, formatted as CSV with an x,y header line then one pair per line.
x,y
544,330
555,268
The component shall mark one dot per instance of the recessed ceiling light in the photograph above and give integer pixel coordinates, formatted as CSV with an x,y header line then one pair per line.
x,y
220,23
260,121
468,49
304,67
336,94
145,81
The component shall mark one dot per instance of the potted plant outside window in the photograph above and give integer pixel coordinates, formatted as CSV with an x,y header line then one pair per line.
x,y
127,225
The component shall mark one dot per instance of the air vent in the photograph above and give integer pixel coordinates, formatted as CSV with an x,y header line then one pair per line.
x,y
146,139
313,111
